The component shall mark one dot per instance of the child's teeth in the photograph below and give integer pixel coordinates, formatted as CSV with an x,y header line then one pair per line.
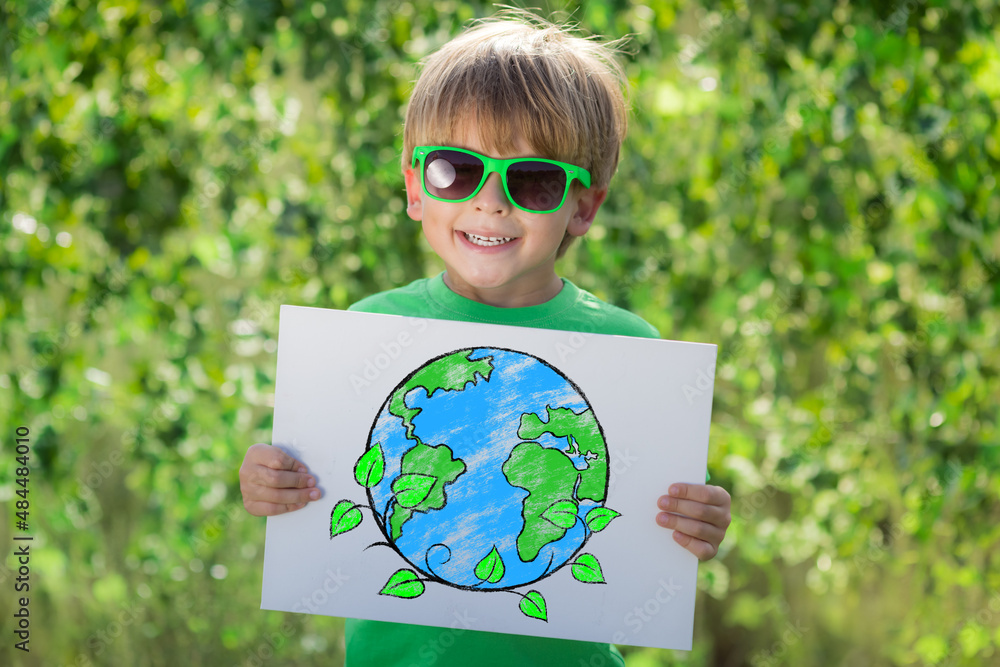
x,y
487,240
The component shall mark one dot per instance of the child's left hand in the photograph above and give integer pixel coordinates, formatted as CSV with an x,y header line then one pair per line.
x,y
699,515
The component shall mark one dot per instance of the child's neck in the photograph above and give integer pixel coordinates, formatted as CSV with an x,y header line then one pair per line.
x,y
507,296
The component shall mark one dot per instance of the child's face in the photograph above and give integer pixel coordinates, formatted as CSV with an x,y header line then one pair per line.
x,y
518,272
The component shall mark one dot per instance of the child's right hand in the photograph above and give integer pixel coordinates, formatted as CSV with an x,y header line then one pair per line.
x,y
272,482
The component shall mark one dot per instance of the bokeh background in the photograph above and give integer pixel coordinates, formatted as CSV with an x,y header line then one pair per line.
x,y
810,185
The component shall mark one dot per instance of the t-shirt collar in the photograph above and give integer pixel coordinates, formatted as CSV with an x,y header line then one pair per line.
x,y
481,312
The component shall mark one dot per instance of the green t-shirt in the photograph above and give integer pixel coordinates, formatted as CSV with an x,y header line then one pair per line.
x,y
573,309
380,644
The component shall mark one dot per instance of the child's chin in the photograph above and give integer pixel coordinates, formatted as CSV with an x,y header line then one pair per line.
x,y
485,281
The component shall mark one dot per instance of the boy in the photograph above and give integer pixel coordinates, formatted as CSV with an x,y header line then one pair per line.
x,y
525,90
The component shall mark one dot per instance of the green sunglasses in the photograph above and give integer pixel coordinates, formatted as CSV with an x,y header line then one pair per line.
x,y
534,185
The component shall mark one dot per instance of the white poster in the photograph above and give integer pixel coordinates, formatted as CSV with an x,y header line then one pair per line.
x,y
502,475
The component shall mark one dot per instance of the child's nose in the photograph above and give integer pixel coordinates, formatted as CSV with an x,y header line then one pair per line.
x,y
492,198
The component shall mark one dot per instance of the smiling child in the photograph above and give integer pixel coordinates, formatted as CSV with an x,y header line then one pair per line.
x,y
511,137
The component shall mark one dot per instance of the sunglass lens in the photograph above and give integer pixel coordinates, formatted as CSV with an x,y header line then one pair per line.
x,y
452,175
538,186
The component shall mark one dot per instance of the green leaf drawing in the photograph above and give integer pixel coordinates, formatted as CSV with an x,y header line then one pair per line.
x,y
412,489
587,569
561,513
403,584
533,605
370,468
344,517
599,518
490,568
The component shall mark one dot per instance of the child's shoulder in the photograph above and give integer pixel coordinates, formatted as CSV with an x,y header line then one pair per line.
x,y
413,300
606,318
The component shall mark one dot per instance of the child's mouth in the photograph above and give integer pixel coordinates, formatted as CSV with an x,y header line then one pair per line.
x,y
487,241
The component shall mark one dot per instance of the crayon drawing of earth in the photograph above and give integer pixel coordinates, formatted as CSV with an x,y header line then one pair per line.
x,y
478,444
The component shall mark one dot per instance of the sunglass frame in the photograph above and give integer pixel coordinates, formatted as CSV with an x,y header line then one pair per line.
x,y
499,166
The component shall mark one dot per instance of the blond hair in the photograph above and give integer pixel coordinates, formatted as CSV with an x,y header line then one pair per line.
x,y
516,75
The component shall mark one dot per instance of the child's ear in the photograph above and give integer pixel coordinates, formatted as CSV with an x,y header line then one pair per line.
x,y
414,198
587,203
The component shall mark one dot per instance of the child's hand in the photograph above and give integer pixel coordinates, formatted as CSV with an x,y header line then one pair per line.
x,y
273,482
699,515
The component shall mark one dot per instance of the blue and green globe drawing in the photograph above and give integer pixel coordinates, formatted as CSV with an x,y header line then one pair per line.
x,y
485,469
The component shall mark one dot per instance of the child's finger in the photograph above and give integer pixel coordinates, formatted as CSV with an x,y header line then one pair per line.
x,y
702,493
258,508
284,496
700,548
280,479
713,514
273,457
693,527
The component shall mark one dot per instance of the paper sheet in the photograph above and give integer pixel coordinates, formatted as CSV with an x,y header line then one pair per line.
x,y
502,478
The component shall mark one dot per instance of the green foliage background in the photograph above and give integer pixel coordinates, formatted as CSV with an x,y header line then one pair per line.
x,y
810,185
